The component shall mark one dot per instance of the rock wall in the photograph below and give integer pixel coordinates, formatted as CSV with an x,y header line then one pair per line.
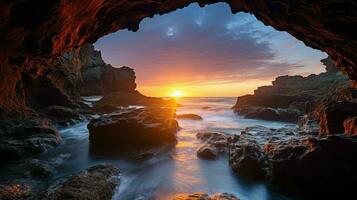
x,y
34,34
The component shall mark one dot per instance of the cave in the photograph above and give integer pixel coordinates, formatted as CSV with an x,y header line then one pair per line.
x,y
48,62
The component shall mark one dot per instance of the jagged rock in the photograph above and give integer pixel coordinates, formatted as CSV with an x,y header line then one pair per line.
x,y
295,96
134,128
19,139
350,126
205,196
97,182
332,117
189,116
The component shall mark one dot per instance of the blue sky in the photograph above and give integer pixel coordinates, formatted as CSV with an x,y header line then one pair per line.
x,y
208,46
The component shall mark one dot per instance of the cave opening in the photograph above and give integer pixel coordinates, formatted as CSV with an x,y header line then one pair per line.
x,y
159,107
207,52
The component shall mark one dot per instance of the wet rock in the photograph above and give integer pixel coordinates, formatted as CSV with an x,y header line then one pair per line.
x,y
350,126
134,128
20,139
315,166
189,116
63,114
207,152
97,182
15,192
215,144
40,169
248,160
211,137
333,116
205,196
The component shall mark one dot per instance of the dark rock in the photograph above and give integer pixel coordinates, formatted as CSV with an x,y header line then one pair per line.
x,y
215,145
97,182
189,116
248,160
134,128
61,113
130,99
333,115
20,139
350,126
330,65
205,196
40,169
211,137
297,93
207,152
315,166
287,115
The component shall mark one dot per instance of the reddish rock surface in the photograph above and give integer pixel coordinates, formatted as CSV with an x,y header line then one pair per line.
x,y
333,116
350,125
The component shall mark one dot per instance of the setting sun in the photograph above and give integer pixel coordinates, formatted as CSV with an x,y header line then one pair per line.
x,y
176,94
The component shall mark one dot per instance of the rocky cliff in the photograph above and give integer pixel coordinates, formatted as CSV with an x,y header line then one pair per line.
x,y
328,98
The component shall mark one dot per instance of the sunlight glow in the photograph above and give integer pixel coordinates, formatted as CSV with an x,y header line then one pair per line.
x,y
176,94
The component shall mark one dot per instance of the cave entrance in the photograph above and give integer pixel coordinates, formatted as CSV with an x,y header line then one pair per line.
x,y
207,52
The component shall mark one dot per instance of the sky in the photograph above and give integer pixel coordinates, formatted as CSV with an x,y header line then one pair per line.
x,y
207,51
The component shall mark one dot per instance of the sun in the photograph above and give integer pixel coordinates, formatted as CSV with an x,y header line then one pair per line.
x,y
176,94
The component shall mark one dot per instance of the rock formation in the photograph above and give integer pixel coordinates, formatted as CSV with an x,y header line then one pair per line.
x,y
292,96
134,128
97,182
296,160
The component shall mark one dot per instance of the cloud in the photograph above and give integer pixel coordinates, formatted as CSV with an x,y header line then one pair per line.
x,y
207,46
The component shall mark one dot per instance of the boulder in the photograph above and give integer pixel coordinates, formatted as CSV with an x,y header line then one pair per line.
x,y
207,152
214,145
63,114
134,128
248,159
350,126
332,117
96,183
20,139
205,196
315,166
189,116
